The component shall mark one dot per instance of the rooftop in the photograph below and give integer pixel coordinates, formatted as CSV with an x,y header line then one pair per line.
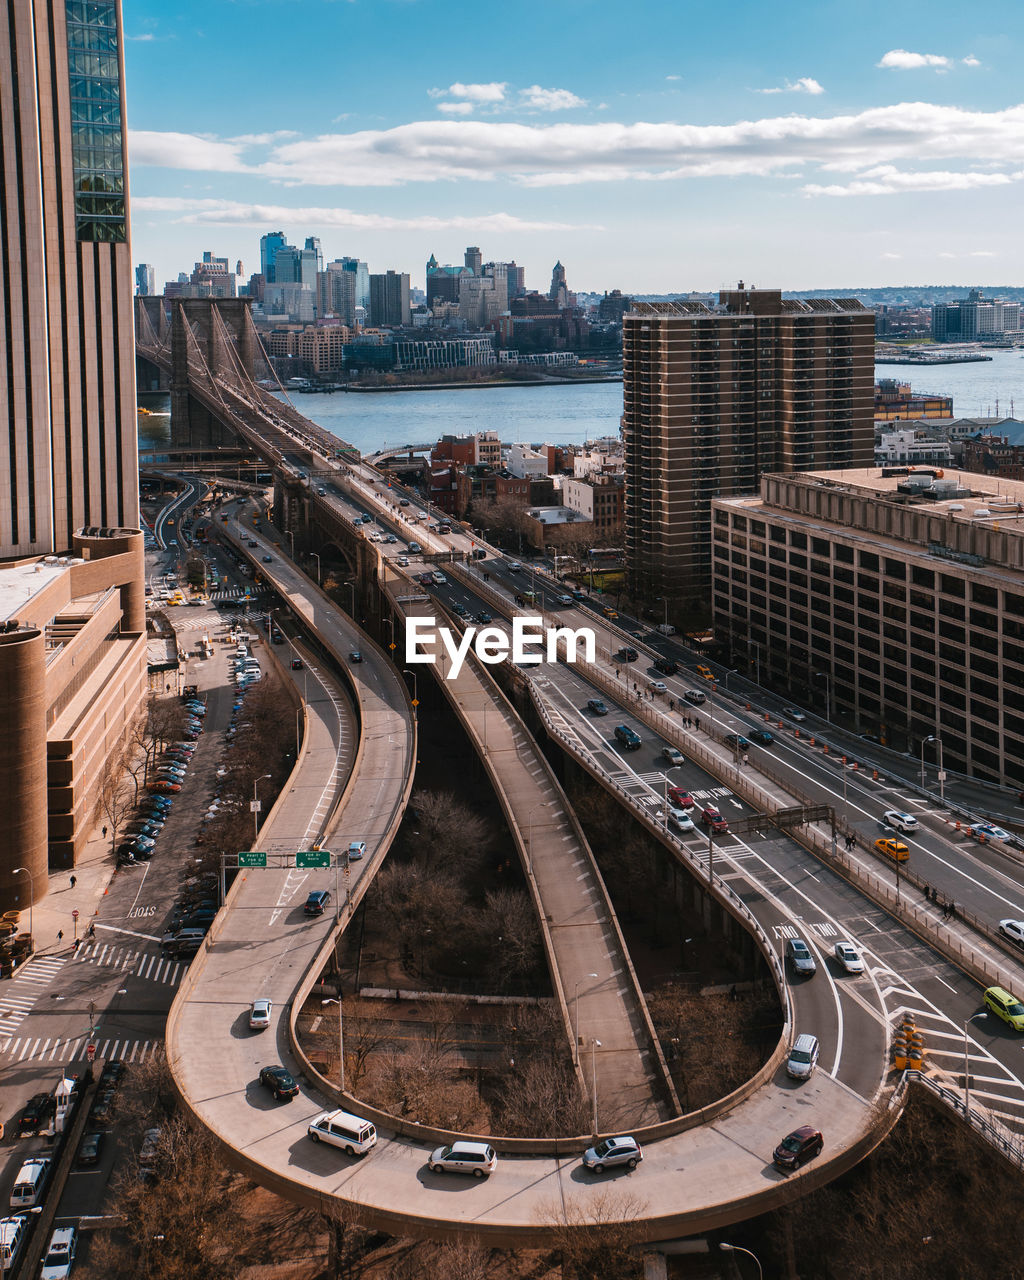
x,y
20,583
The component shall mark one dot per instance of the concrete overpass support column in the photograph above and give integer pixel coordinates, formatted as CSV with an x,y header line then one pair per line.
x,y
23,795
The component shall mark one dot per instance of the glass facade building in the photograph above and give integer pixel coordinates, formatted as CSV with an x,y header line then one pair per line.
x,y
97,121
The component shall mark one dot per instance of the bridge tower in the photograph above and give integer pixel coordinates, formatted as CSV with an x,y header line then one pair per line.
x,y
150,314
192,425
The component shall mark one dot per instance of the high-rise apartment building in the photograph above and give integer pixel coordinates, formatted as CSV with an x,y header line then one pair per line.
x,y
713,397
389,299
269,245
473,259
145,280
72,585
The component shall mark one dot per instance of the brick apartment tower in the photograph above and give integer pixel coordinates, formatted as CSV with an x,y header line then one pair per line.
x,y
68,428
713,398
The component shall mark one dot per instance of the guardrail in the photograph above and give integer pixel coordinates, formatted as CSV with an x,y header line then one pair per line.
x,y
997,1135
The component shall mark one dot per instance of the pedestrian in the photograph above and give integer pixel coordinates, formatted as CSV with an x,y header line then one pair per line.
x,y
60,935
104,831
671,704
92,931
77,943
74,881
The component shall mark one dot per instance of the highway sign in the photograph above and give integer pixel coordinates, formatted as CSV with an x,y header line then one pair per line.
x,y
252,858
311,858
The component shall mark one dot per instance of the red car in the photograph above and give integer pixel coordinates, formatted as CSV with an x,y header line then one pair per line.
x,y
680,798
162,785
713,819
800,1145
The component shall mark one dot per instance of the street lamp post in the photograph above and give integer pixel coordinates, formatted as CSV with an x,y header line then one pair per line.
x,y
341,1037
31,897
942,773
576,1000
256,806
313,555
415,690
738,1248
967,1068
291,539
594,1046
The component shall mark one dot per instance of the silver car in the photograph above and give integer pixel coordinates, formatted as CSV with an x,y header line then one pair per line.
x,y
611,1152
477,1158
849,957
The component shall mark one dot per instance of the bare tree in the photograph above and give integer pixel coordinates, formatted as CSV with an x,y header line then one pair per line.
x,y
509,917
597,1236
448,835
117,798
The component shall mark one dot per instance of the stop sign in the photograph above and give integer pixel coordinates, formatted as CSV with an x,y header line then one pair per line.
x,y
74,914
90,1051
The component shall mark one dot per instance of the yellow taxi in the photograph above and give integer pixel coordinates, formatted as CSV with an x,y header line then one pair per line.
x,y
999,1001
894,849
609,612
706,672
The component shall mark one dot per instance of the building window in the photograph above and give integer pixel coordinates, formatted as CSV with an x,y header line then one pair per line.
x,y
97,141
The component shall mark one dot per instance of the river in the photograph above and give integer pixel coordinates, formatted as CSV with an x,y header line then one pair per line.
x,y
574,412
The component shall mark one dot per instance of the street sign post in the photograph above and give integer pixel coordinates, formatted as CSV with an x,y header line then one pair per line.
x,y
252,858
313,859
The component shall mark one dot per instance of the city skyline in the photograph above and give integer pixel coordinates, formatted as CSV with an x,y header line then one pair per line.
x,y
808,148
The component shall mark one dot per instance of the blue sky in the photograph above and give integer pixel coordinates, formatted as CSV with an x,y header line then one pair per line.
x,y
651,145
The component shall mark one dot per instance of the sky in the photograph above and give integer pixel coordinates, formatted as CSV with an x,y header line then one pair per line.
x,y
650,145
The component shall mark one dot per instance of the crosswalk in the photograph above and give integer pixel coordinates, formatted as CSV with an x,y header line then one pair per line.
x,y
23,990
75,1049
141,964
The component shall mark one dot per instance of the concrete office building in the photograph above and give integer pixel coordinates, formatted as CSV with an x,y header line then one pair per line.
x,y
714,397
72,602
894,600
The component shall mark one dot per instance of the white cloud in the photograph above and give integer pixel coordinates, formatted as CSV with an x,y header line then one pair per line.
x,y
871,146
239,213
971,61
456,108
143,39
981,253
673,77
893,256
804,85
549,99
493,92
903,60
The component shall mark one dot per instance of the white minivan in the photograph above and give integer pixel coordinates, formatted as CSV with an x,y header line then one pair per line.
x,y
30,1183
12,1236
803,1057
341,1129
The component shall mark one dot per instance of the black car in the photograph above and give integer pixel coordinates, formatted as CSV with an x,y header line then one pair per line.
x,y
90,1148
280,1082
112,1074
627,654
597,707
39,1111
667,666
484,617
737,740
102,1108
355,656
316,903
800,1145
762,737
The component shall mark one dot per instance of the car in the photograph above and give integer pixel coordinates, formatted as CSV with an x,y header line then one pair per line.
x,y
597,707
695,696
681,819
848,957
415,548
91,1148
667,666
737,741
297,664
792,713
130,851
627,654
316,903
253,543
113,1073
268,559
259,1014
145,843
102,1108
460,610
1013,931
657,686
438,578
578,595
800,958
280,1082
673,756
60,1254
762,737
797,1147
609,612
630,739
514,566
563,600
354,1135
402,562
38,1112
999,1001
391,540
680,797
477,1158
609,1153
150,1146
425,579
803,1057
901,821
162,786
403,502
355,656
990,832
484,617
712,817
894,849
150,829
173,771
706,672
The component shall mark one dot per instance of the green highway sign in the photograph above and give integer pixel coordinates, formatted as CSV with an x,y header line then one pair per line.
x,y
310,858
252,859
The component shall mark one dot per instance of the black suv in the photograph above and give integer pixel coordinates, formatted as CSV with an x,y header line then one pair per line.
x,y
317,902
39,1111
667,666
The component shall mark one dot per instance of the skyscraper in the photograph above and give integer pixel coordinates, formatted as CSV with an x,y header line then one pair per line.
x,y
269,245
558,292
389,299
145,280
714,397
473,259
72,601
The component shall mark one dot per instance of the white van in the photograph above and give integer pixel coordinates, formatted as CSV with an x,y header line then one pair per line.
x,y
30,1183
12,1236
803,1058
341,1129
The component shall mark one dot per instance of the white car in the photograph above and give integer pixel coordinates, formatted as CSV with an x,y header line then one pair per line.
x,y
259,1014
901,821
673,755
657,686
991,832
793,714
356,850
60,1254
1013,930
849,957
477,1158
681,819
